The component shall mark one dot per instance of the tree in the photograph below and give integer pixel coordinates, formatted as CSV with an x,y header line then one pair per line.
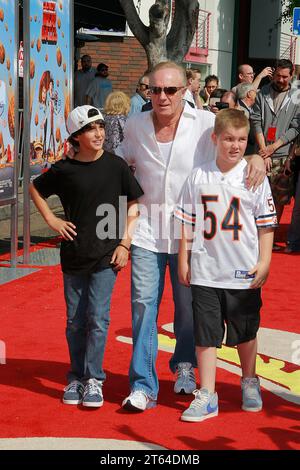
x,y
287,9
159,45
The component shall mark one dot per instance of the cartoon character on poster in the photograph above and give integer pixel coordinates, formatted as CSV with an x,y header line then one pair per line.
x,y
49,106
43,111
54,110
49,90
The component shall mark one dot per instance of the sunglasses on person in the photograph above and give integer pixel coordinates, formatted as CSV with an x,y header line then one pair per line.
x,y
145,85
168,90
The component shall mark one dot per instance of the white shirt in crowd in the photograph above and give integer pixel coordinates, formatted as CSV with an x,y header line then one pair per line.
x,y
188,96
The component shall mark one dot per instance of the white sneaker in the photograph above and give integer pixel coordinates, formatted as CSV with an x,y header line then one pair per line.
x,y
138,401
185,382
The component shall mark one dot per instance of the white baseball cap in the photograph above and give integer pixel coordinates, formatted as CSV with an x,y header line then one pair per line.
x,y
81,116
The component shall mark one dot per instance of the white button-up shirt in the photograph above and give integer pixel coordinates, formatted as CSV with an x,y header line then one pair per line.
x,y
188,96
161,182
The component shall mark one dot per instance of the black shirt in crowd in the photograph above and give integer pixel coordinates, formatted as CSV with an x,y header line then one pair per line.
x,y
85,188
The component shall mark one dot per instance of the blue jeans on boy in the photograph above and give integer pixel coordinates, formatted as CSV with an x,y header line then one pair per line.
x,y
148,278
88,299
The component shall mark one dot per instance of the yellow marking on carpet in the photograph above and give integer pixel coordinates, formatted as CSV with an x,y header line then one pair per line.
x,y
271,370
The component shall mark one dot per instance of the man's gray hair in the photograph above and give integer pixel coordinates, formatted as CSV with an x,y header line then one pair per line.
x,y
243,89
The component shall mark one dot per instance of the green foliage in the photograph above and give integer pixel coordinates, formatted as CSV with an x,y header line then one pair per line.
x,y
287,9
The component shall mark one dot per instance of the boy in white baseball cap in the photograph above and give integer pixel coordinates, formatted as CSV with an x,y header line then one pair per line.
x,y
92,251
81,116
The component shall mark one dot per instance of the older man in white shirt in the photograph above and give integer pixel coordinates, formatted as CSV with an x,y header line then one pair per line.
x,y
163,145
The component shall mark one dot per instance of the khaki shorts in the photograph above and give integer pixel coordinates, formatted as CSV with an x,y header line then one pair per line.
x,y
282,184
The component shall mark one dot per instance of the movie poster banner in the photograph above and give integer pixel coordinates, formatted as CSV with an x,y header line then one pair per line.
x,y
50,71
8,87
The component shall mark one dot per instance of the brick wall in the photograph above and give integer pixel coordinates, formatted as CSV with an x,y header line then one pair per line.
x,y
126,59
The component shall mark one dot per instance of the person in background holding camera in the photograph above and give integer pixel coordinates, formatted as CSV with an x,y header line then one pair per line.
x,y
211,83
222,99
215,100
276,120
229,98
246,75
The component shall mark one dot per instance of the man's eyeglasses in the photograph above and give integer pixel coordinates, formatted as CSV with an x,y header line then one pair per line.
x,y
145,85
168,90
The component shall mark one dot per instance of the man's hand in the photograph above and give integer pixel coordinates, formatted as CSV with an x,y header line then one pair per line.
x,y
64,228
119,258
266,72
206,94
266,151
268,163
288,165
256,172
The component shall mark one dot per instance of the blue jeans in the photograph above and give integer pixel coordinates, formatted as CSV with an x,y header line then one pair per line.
x,y
148,278
88,304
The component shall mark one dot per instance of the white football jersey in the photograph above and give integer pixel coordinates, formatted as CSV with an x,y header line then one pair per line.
x,y
225,216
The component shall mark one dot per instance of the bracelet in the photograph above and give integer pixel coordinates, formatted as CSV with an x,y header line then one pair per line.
x,y
124,246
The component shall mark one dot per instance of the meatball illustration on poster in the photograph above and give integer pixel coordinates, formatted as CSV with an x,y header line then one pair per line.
x,y
7,99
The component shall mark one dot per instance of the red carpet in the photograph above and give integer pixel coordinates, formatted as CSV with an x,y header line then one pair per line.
x,y
31,382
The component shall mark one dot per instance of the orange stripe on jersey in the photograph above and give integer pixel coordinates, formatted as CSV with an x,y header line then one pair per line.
x,y
181,215
266,221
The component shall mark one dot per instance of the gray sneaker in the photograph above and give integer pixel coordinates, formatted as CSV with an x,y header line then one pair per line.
x,y
185,381
92,395
251,394
204,406
73,393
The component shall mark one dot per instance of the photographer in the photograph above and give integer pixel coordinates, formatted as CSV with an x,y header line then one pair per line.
x,y
222,99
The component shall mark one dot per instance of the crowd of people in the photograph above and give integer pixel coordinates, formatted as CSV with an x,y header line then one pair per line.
x,y
195,207
266,137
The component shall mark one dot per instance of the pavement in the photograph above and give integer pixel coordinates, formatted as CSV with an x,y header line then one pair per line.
x,y
38,227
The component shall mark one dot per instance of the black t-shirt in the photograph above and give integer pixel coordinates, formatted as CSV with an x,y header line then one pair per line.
x,y
89,193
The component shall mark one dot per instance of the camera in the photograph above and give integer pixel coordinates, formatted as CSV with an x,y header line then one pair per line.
x,y
220,105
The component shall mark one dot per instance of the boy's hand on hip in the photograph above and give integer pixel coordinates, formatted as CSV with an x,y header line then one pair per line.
x,y
64,228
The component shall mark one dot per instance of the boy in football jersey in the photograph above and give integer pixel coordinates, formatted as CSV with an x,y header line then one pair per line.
x,y
225,253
